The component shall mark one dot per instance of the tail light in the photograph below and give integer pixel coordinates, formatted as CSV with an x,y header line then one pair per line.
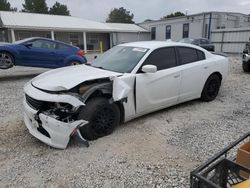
x,y
81,53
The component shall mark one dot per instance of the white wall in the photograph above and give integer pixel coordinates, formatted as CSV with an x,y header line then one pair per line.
x,y
230,40
197,24
119,38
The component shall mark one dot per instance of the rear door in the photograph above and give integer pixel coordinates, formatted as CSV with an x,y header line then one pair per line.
x,y
160,89
194,66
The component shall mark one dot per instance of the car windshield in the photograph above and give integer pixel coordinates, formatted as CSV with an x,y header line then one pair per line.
x,y
121,59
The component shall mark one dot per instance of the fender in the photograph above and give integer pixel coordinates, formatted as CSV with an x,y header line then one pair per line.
x,y
10,49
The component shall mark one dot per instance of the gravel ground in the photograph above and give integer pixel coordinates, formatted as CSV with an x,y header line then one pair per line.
x,y
157,150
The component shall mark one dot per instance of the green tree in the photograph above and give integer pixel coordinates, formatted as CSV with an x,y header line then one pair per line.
x,y
172,15
120,15
5,5
59,9
35,6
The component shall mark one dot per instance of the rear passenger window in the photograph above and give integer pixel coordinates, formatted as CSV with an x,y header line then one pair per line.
x,y
201,55
189,55
163,58
62,47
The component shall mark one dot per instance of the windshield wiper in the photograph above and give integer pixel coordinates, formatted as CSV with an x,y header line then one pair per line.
x,y
99,67
88,64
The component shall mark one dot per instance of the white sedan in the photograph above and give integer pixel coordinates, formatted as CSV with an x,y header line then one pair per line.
x,y
127,81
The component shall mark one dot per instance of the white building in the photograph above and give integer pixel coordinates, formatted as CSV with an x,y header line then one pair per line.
x,y
195,26
86,34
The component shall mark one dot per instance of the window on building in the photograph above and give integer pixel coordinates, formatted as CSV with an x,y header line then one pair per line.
x,y
185,30
74,39
153,33
168,32
48,35
3,36
189,55
24,35
163,58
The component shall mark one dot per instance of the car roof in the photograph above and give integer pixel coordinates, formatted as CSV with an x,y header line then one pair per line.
x,y
159,44
43,38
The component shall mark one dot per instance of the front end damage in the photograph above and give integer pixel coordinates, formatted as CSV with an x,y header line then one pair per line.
x,y
51,122
52,117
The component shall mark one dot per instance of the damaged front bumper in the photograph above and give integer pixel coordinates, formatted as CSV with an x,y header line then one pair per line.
x,y
45,127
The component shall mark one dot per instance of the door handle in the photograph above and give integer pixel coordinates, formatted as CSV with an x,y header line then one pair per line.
x,y
177,76
205,67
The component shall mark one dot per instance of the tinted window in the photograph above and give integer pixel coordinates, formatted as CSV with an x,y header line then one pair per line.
x,y
120,59
187,55
162,58
200,55
168,32
153,33
62,46
43,44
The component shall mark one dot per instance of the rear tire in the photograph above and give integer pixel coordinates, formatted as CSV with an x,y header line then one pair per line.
x,y
211,88
6,60
102,116
246,66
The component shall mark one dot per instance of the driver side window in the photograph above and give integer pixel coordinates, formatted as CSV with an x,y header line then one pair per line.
x,y
162,58
43,44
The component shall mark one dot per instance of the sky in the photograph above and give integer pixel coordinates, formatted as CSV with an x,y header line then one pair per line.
x,y
98,10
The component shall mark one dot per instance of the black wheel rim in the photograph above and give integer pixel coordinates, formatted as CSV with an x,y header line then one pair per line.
x,y
212,88
103,122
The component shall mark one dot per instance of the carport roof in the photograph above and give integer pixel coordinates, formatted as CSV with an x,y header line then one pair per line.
x,y
20,20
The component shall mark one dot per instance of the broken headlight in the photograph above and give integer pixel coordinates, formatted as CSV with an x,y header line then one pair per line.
x,y
63,112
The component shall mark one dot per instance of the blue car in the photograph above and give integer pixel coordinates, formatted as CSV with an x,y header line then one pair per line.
x,y
40,52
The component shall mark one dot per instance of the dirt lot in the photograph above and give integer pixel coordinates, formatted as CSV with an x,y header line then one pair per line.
x,y
157,150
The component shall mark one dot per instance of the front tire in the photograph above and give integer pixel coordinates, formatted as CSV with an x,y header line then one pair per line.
x,y
246,66
6,60
211,88
102,116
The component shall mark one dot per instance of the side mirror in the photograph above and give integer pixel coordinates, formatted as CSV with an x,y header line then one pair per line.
x,y
149,69
28,45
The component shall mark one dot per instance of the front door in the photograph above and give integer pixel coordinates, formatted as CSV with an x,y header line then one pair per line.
x,y
160,89
41,53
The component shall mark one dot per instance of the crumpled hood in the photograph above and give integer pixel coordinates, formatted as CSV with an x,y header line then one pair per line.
x,y
68,77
